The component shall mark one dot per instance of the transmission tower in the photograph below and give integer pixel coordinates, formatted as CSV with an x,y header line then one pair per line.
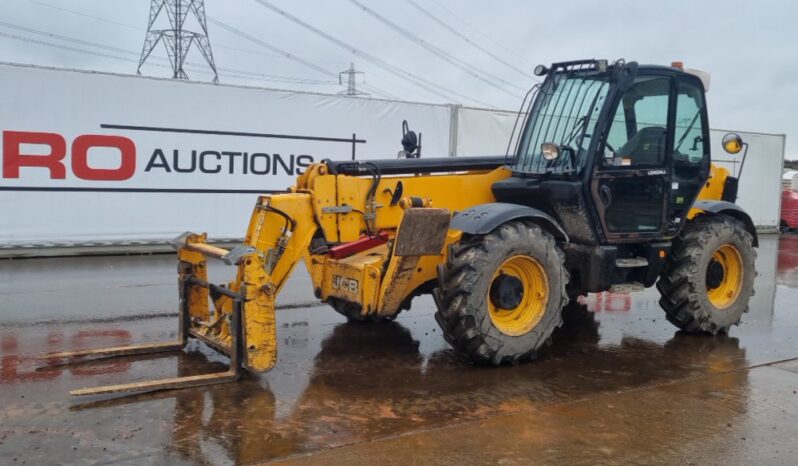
x,y
351,81
176,39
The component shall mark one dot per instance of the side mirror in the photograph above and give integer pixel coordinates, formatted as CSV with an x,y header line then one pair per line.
x,y
411,144
732,143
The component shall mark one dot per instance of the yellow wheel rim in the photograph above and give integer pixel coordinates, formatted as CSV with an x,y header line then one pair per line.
x,y
531,306
727,291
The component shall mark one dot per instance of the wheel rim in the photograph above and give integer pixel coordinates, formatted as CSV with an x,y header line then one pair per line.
x,y
530,308
728,260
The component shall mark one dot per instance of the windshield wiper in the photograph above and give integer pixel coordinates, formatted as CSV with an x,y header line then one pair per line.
x,y
578,126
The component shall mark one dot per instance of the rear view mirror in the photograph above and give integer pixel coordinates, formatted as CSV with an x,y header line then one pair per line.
x,y
411,143
732,143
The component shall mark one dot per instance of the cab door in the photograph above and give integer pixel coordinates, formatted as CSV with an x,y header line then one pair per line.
x,y
632,178
690,155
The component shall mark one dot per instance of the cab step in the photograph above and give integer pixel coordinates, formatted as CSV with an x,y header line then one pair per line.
x,y
626,287
631,262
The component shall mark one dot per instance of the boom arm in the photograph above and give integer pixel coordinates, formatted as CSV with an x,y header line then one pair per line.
x,y
378,272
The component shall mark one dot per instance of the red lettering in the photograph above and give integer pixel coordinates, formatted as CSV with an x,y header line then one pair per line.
x,y
617,302
8,343
10,371
15,368
13,159
80,157
120,335
100,369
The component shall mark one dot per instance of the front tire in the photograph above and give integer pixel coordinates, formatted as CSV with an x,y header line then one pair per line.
x,y
708,280
502,294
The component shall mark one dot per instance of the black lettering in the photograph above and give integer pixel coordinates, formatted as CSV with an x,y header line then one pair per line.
x,y
202,162
157,160
231,156
246,163
176,164
289,170
253,158
303,161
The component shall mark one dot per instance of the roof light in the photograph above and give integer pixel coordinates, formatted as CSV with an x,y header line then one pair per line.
x,y
541,70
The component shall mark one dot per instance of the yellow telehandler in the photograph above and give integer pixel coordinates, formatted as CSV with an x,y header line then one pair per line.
x,y
609,186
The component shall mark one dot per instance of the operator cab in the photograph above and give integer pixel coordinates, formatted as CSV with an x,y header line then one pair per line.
x,y
617,153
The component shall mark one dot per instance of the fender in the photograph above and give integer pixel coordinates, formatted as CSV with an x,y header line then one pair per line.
x,y
484,218
712,207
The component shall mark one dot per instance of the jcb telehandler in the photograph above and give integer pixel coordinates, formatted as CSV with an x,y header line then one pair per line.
x,y
610,186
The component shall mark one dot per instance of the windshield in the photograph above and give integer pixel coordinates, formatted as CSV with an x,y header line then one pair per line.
x,y
565,113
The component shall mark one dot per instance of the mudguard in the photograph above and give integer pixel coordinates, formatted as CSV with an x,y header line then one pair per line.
x,y
713,207
483,218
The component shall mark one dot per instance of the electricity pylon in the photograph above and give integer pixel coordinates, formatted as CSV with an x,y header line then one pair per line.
x,y
176,39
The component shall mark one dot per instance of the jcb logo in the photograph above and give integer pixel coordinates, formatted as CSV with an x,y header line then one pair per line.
x,y
16,155
345,284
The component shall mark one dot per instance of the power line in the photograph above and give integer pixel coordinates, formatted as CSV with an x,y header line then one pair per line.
x,y
266,45
418,81
459,34
371,89
231,72
63,38
486,36
76,49
402,85
278,50
129,26
136,28
129,52
481,75
240,74
60,46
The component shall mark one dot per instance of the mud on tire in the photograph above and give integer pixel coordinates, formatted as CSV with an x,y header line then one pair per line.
x,y
683,281
463,293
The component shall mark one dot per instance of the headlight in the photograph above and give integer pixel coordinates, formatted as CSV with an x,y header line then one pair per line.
x,y
550,150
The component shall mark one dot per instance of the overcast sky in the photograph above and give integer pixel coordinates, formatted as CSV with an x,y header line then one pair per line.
x,y
750,48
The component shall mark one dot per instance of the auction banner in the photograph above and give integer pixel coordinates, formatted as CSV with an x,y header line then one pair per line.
x,y
98,157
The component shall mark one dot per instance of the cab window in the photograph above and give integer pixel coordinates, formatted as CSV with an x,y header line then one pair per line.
x,y
690,150
689,146
638,132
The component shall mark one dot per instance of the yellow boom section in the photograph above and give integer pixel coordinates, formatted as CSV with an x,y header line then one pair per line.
x,y
403,219
280,232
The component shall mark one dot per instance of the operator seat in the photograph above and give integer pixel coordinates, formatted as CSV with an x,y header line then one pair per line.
x,y
646,147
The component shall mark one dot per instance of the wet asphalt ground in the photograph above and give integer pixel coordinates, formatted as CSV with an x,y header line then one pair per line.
x,y
618,385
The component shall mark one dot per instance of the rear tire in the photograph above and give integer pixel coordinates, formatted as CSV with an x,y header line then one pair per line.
x,y
709,278
477,319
